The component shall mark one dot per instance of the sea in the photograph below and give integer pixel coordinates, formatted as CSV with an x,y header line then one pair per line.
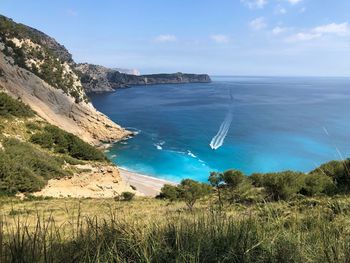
x,y
252,124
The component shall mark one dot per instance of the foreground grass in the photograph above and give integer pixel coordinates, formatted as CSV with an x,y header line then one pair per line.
x,y
148,230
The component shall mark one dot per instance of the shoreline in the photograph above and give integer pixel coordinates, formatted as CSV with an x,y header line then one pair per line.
x,y
145,184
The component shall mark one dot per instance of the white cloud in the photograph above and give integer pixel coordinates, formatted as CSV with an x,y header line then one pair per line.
x,y
302,37
220,38
278,30
294,2
258,23
254,3
342,29
165,38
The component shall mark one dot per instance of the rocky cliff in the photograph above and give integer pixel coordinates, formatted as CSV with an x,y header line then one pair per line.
x,y
96,78
39,71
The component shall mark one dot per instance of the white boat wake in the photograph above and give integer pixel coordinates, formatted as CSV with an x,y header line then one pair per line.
x,y
218,139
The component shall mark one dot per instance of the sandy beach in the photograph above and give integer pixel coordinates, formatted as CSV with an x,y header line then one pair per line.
x,y
147,185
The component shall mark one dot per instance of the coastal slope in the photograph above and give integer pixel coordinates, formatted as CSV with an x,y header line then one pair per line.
x,y
95,78
40,72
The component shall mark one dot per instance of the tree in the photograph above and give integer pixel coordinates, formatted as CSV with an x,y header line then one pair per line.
x,y
170,192
281,186
190,191
216,180
233,178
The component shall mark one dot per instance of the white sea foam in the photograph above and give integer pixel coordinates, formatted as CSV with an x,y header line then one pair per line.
x,y
191,154
134,130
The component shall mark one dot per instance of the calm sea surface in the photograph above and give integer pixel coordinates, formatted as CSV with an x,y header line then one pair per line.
x,y
256,124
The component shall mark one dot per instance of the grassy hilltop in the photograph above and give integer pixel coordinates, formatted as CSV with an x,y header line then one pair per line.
x,y
150,230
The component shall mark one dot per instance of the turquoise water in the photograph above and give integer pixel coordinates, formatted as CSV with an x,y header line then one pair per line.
x,y
261,124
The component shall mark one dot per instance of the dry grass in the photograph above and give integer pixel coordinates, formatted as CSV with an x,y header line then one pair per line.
x,y
150,230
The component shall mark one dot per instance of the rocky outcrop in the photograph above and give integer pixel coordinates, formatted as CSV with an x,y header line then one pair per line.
x,y
56,107
96,78
21,31
37,69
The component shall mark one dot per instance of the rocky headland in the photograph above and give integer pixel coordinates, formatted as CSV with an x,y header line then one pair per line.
x,y
95,78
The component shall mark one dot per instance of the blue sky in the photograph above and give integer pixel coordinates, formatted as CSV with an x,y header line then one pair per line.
x,y
219,37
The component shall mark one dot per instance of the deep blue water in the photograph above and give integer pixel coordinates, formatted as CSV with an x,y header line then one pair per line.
x,y
272,124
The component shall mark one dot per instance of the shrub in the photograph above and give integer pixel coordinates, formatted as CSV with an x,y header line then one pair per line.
x,y
170,192
232,186
282,185
33,126
11,107
190,191
233,178
316,184
339,171
127,196
63,142
216,181
26,169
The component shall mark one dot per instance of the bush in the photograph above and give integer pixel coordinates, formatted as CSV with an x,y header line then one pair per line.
x,y
33,126
127,196
170,192
190,191
282,185
11,107
316,184
233,178
63,142
26,169
339,171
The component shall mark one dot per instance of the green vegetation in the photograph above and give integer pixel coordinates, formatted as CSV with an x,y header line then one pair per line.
x,y
272,217
11,107
127,196
188,191
146,230
63,142
51,67
11,29
233,186
23,168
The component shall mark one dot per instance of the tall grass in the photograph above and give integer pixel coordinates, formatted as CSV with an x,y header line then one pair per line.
x,y
265,235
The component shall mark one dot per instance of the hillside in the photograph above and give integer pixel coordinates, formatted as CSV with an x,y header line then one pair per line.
x,y
39,71
34,153
97,78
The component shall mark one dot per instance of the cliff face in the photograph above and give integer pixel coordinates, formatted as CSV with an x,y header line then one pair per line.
x,y
39,71
96,78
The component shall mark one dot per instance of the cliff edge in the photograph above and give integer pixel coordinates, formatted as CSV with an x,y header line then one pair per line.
x,y
40,72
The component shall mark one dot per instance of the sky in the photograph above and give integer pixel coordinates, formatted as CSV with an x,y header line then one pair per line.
x,y
218,37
